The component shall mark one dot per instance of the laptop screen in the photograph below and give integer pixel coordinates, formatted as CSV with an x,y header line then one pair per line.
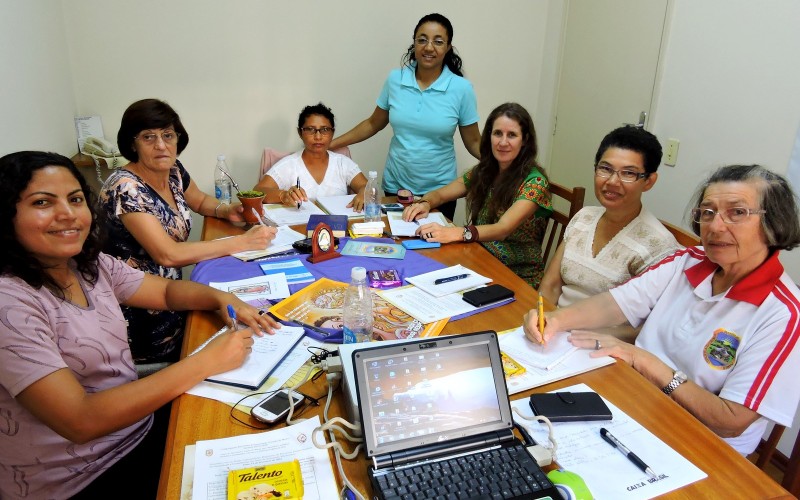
x,y
429,391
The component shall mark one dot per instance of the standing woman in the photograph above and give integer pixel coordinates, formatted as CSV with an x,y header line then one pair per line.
x,y
508,196
148,206
424,100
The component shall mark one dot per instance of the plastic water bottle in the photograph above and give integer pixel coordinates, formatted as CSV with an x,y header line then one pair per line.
x,y
222,184
372,199
357,313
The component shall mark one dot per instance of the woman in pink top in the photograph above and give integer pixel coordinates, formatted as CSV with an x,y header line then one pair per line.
x,y
74,419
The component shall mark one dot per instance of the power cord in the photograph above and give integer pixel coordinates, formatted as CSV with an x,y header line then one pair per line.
x,y
542,454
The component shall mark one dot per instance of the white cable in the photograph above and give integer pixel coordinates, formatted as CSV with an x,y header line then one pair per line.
x,y
291,390
338,451
546,421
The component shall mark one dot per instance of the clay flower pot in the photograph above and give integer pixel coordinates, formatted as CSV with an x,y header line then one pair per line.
x,y
251,200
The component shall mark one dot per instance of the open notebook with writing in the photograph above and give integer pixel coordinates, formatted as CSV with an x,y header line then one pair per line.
x,y
438,405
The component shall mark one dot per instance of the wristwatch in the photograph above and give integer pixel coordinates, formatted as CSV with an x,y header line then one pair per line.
x,y
678,377
468,234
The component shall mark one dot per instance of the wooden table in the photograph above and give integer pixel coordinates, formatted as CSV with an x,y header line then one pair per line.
x,y
729,474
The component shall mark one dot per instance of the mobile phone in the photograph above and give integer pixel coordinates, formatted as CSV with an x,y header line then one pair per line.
x,y
304,246
275,407
486,295
392,207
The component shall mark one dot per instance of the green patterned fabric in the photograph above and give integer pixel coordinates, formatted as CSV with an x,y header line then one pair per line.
x,y
521,251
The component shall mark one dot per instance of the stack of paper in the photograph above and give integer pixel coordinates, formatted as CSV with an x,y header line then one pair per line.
x,y
337,205
291,216
399,227
434,282
367,229
282,243
428,301
557,360
607,472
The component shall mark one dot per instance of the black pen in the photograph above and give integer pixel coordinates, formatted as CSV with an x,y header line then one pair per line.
x,y
298,192
449,279
625,451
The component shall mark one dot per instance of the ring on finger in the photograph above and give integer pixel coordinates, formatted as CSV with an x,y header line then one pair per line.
x,y
597,345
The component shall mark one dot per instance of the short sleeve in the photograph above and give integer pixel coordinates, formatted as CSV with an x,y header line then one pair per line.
x,y
124,279
186,179
536,189
468,109
383,97
128,195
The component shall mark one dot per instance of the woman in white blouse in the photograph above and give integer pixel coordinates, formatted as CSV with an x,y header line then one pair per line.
x,y
314,171
605,246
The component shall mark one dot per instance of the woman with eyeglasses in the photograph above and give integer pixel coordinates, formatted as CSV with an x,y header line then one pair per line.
x,y
76,422
314,171
425,101
148,206
720,323
607,245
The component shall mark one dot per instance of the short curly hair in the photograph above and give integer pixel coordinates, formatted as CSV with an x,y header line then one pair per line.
x,y
781,220
147,114
16,172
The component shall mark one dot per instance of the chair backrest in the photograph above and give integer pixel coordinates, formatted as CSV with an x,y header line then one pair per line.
x,y
561,216
684,237
271,156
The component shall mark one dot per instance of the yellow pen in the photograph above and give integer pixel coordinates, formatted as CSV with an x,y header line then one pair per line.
x,y
541,319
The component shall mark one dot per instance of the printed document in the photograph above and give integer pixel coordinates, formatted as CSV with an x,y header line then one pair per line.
x,y
606,471
213,459
558,360
282,243
399,227
427,281
271,286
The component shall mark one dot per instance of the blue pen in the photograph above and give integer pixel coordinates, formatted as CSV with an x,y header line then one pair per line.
x,y
232,315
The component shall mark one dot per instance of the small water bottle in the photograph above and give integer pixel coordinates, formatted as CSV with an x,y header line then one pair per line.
x,y
357,312
372,199
222,184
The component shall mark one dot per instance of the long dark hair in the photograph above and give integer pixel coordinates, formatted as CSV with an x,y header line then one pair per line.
x,y
486,176
16,172
451,59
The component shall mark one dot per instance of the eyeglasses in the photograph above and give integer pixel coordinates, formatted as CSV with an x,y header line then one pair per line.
x,y
733,215
422,42
169,137
314,131
605,172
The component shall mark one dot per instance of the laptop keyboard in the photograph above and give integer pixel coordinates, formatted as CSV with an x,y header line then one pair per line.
x,y
497,474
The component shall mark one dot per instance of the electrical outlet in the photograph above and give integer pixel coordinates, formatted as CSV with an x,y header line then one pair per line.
x,y
672,152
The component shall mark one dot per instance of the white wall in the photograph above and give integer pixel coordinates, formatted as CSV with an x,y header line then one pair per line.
x,y
730,91
239,73
37,104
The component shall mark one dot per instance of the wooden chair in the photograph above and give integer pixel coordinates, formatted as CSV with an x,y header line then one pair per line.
x,y
791,471
684,237
559,219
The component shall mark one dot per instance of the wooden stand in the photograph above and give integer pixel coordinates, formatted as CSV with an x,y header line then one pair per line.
x,y
322,244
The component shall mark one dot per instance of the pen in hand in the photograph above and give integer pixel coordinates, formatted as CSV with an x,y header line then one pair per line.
x,y
625,451
232,316
258,217
449,279
541,320
298,192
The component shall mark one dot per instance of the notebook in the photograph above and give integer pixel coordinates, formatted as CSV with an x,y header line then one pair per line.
x,y
428,405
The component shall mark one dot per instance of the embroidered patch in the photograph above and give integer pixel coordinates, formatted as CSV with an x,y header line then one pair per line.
x,y
720,351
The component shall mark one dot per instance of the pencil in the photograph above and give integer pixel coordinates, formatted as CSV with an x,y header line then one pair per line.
x,y
541,319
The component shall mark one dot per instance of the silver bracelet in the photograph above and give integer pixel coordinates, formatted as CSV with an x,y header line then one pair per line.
x,y
216,214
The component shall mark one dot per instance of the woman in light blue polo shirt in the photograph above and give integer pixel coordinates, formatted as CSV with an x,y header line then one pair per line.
x,y
424,100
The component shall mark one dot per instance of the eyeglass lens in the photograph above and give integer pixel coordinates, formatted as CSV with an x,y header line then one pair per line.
x,y
169,137
313,131
605,171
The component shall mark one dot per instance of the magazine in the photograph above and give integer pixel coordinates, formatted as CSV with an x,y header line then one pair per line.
x,y
320,304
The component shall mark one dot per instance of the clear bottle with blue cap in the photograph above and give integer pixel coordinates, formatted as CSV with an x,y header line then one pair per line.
x,y
357,312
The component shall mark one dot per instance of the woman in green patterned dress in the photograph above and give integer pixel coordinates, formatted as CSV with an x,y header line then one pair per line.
x,y
508,196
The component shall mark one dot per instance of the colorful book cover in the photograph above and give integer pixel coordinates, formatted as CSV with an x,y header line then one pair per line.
x,y
282,480
372,249
320,304
338,224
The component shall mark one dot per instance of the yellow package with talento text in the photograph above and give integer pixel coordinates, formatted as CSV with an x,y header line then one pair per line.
x,y
265,482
